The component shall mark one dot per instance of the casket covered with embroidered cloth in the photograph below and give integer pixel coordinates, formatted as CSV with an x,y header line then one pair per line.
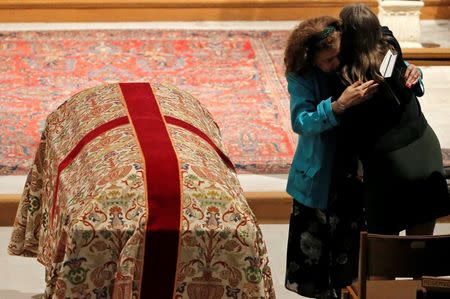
x,y
132,195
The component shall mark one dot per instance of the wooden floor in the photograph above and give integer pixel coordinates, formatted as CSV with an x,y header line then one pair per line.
x,y
181,10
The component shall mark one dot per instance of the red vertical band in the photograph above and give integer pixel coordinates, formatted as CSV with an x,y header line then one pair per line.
x,y
163,191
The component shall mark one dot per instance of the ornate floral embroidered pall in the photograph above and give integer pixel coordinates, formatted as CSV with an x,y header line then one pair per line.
x,y
132,195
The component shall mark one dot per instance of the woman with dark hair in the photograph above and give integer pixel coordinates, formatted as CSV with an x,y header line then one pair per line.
x,y
323,234
404,186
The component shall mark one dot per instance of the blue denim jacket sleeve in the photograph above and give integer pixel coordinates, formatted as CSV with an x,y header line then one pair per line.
x,y
309,115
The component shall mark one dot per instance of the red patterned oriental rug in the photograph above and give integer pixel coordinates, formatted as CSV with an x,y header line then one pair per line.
x,y
237,75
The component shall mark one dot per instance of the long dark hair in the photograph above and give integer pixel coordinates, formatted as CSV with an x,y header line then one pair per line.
x,y
362,44
309,38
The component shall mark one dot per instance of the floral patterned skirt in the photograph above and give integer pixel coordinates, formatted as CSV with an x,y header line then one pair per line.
x,y
323,246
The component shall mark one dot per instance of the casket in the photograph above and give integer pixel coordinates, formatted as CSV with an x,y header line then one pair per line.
x,y
132,195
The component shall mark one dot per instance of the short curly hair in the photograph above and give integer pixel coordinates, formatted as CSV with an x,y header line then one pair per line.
x,y
305,42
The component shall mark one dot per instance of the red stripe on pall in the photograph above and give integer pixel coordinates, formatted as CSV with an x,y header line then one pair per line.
x,y
163,189
76,150
180,123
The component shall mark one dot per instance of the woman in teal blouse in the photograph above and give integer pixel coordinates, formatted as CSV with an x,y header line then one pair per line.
x,y
313,112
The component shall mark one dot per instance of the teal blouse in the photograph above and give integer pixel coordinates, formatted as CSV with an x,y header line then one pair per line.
x,y
311,117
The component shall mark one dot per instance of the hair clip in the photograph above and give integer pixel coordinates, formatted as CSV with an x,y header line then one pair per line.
x,y
326,32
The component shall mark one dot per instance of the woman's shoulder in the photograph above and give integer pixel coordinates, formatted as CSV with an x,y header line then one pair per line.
x,y
390,38
306,78
386,31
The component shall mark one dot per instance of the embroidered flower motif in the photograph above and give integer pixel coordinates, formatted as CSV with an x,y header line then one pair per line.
x,y
311,247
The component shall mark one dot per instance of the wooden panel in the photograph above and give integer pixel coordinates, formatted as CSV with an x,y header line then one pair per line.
x,y
181,10
269,207
427,53
161,14
435,9
428,56
167,10
175,3
8,208
387,289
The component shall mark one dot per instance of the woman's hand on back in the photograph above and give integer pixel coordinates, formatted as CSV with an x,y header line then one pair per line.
x,y
412,75
354,94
